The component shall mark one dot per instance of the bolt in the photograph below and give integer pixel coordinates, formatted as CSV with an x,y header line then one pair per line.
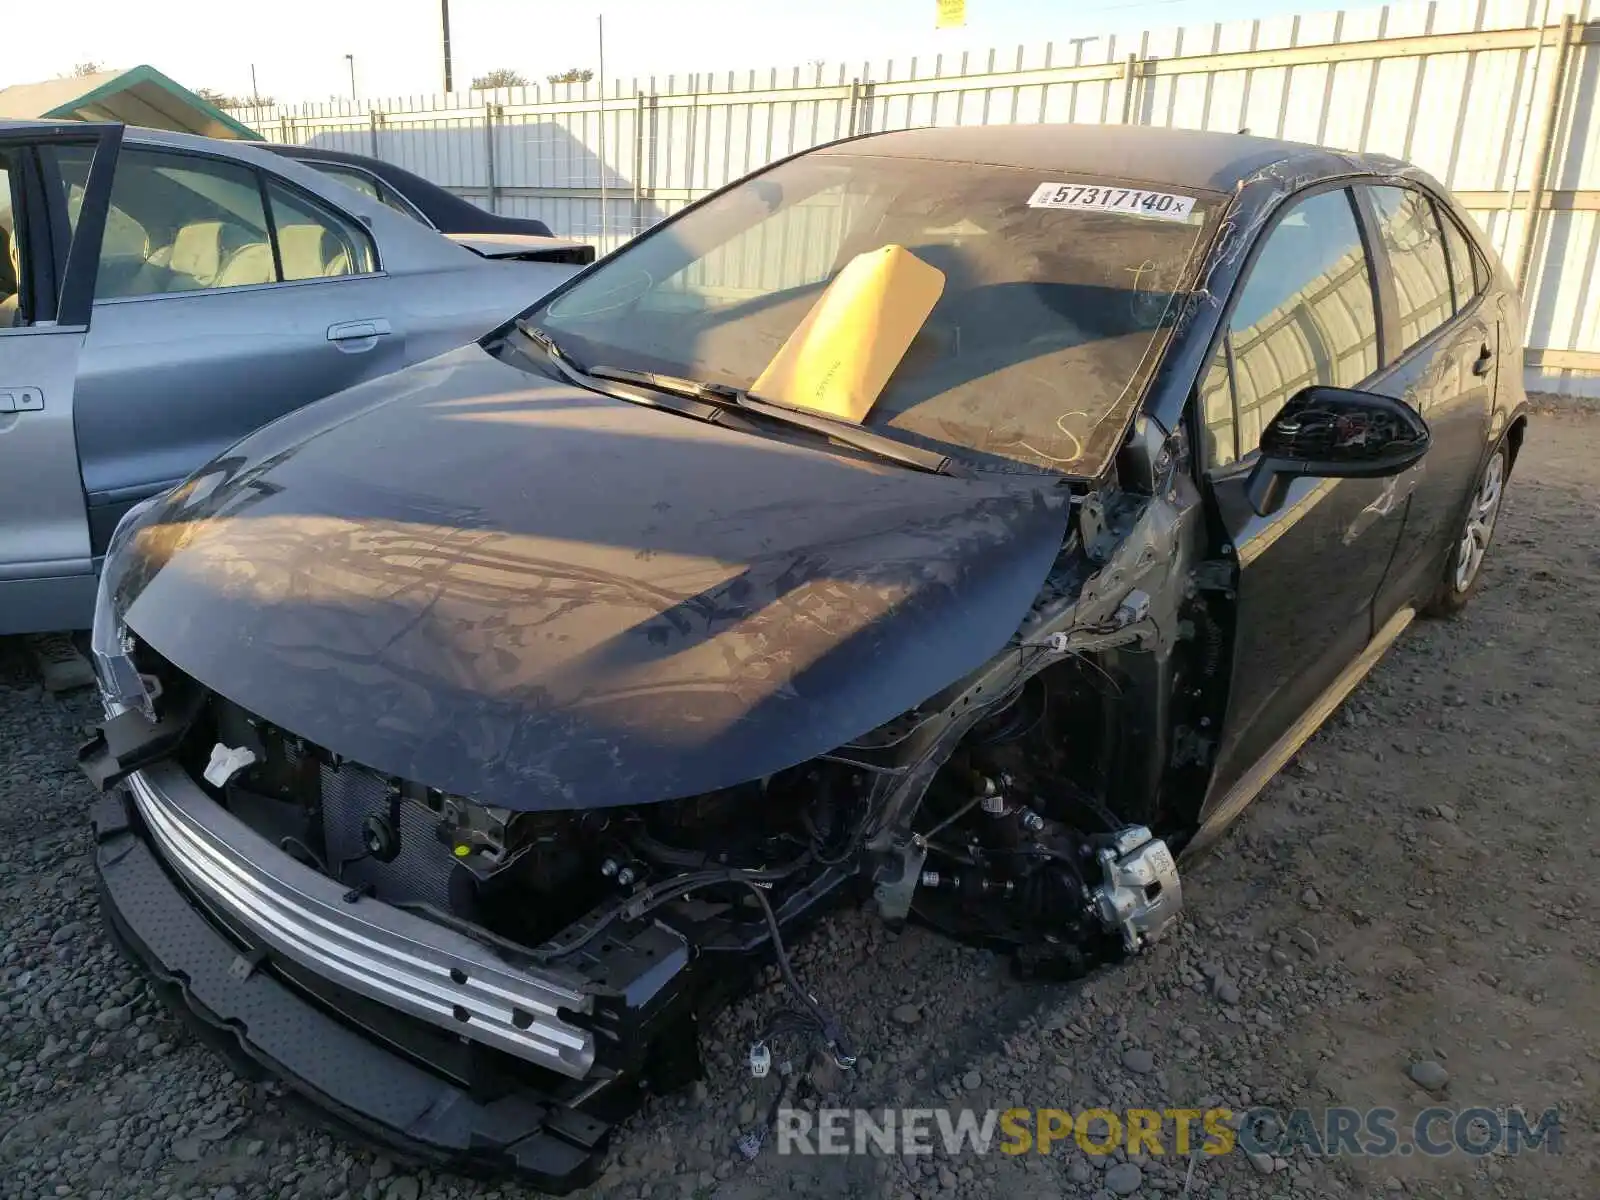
x,y
1032,821
626,876
608,868
930,879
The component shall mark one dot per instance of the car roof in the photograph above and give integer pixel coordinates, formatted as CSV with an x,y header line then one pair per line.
x,y
1189,158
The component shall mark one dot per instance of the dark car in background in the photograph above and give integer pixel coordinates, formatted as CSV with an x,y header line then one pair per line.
x,y
494,236
965,522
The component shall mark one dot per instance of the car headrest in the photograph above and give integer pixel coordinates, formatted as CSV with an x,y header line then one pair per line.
x,y
197,251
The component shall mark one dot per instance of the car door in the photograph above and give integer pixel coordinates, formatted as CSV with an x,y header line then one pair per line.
x,y
46,284
227,296
1305,312
1446,346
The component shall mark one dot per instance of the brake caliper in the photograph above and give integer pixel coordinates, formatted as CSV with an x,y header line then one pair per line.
x,y
1141,895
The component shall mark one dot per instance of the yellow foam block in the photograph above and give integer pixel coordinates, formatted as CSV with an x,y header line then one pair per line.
x,y
839,358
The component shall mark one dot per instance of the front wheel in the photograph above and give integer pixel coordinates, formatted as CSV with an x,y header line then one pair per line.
x,y
1463,569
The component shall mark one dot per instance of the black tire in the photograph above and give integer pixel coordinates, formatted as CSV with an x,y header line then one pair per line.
x,y
1463,563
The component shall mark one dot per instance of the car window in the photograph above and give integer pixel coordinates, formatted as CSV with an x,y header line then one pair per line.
x,y
315,242
62,171
1464,280
1304,316
183,223
1216,413
1415,250
12,311
358,180
367,186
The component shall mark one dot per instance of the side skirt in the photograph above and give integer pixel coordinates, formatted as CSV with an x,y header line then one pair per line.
x,y
1224,812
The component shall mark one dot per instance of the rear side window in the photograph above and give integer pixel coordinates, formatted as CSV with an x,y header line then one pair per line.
x,y
183,224
315,242
364,184
1305,315
368,186
1464,277
1415,249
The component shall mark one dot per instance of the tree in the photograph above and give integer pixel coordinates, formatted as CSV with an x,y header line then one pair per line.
x,y
88,68
574,75
500,77
223,100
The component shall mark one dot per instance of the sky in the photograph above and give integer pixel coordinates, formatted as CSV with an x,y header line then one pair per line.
x,y
298,47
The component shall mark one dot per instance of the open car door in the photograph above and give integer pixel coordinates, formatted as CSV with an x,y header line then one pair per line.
x,y
48,260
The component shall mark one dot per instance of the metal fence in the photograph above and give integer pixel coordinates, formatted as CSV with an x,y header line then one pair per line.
x,y
1497,98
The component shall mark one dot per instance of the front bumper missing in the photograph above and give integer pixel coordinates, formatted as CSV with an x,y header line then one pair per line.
x,y
269,1026
386,954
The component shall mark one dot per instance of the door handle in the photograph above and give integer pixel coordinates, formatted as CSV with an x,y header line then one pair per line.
x,y
353,331
1480,365
21,399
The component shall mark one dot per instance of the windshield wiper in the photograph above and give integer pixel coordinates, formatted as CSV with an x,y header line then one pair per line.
x,y
572,372
854,436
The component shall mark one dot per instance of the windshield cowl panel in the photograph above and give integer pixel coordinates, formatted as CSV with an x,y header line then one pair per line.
x,y
1058,297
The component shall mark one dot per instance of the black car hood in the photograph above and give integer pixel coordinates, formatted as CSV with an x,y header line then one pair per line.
x,y
478,579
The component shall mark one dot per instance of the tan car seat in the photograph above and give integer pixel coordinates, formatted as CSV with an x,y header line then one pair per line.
x,y
196,255
249,264
310,252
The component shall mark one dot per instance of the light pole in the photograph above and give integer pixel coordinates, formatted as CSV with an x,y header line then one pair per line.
x,y
351,59
444,18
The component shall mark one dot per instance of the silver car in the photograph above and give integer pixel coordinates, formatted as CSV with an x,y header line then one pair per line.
x,y
162,295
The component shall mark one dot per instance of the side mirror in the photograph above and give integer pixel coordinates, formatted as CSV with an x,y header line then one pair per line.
x,y
1334,433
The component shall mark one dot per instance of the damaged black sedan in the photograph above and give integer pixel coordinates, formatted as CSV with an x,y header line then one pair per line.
x,y
965,523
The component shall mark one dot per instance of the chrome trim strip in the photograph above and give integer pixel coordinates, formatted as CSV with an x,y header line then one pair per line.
x,y
390,955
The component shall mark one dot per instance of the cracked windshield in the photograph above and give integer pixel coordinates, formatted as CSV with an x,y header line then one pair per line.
x,y
1048,300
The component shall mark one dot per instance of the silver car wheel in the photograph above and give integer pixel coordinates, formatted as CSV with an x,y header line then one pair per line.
x,y
1481,517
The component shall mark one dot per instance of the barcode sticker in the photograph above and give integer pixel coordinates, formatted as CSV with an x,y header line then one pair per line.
x,y
1166,206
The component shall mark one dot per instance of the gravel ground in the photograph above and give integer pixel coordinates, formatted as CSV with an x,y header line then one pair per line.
x,y
1410,904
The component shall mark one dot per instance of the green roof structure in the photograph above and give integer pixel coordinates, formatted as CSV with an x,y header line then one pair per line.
x,y
135,96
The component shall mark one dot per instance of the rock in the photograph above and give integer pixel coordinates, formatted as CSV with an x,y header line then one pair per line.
x,y
972,1080
112,1019
1445,812
1430,1075
1124,1179
1278,957
382,1168
226,1192
186,1150
1310,898
1226,990
907,1014
404,1188
1080,1171
66,933
1304,940
1140,1062
1261,1162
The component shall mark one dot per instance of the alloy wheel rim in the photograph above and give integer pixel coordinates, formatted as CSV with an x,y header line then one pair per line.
x,y
1485,508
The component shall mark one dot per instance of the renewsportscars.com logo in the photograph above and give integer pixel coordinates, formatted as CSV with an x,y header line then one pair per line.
x,y
1372,1132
